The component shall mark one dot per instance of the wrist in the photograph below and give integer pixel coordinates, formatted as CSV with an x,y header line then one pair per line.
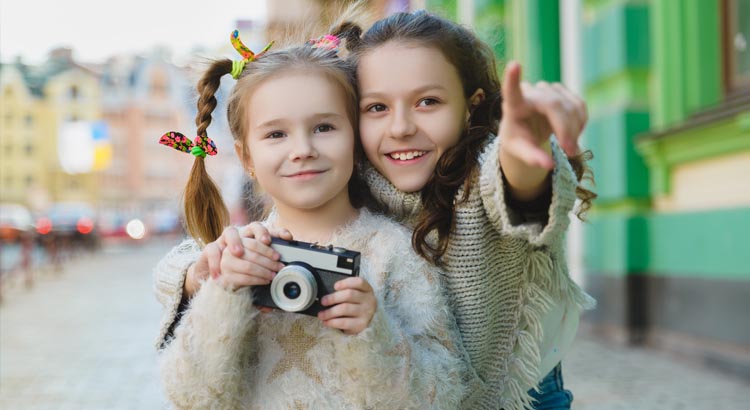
x,y
525,182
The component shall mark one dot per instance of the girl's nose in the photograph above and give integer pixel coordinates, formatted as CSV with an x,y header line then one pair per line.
x,y
303,148
402,124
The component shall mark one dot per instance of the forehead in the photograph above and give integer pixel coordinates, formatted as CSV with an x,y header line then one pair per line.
x,y
415,64
295,95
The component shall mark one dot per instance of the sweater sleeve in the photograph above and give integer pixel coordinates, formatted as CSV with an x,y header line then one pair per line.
x,y
411,355
510,221
202,368
169,278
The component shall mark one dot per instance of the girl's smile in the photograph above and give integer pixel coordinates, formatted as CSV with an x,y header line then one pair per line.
x,y
305,175
407,157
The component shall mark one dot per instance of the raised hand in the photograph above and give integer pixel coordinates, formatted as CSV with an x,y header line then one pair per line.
x,y
531,113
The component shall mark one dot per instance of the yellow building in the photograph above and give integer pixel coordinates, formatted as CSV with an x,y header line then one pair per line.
x,y
22,170
37,104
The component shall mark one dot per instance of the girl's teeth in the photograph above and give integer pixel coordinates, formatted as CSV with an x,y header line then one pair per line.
x,y
403,156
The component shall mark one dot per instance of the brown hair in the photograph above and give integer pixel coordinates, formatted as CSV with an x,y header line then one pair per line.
x,y
475,63
205,212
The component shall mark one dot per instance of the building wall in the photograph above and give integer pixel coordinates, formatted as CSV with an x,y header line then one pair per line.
x,y
21,145
73,95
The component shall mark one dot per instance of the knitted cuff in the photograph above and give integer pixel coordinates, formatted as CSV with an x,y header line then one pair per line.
x,y
169,279
523,224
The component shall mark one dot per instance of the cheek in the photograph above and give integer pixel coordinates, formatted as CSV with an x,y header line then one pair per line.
x,y
446,129
369,138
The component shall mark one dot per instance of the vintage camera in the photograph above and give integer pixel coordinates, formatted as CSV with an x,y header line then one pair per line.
x,y
309,273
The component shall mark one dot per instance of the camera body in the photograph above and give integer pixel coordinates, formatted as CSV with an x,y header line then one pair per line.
x,y
309,273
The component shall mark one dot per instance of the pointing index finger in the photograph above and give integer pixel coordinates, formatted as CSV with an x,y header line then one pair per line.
x,y
512,94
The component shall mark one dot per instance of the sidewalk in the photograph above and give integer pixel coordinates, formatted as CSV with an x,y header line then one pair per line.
x,y
611,377
82,339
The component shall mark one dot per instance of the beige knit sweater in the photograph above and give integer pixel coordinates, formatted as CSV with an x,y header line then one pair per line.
x,y
227,355
501,274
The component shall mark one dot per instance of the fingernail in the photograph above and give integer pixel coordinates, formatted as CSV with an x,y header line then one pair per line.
x,y
266,238
276,256
237,248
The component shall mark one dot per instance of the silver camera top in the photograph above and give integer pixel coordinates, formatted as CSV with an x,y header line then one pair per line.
x,y
326,257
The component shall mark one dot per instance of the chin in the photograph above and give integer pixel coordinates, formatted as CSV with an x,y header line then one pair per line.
x,y
410,185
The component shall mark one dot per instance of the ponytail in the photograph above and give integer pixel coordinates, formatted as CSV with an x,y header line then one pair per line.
x,y
351,32
206,215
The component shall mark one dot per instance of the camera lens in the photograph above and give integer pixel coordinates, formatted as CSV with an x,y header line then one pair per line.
x,y
292,290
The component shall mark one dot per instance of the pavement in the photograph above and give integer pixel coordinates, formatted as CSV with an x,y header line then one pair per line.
x,y
82,339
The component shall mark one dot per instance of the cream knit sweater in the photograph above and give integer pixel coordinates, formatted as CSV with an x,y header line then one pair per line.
x,y
502,275
227,355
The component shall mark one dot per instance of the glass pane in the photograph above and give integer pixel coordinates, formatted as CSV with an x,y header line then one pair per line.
x,y
739,43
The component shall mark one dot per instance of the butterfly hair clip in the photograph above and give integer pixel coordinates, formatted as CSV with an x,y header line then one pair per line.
x,y
245,52
200,147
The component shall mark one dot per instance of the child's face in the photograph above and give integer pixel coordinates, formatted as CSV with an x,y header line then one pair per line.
x,y
412,109
300,140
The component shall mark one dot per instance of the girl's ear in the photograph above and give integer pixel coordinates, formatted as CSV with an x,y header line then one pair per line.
x,y
474,101
244,156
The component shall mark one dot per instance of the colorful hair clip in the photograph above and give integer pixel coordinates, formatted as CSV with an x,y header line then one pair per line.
x,y
245,52
201,147
327,41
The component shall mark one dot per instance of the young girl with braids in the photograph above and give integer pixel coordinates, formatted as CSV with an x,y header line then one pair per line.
x,y
491,211
387,339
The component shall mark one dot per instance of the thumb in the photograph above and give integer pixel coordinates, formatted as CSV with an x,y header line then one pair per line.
x,y
512,95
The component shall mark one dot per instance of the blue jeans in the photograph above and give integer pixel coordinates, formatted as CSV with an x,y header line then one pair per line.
x,y
553,395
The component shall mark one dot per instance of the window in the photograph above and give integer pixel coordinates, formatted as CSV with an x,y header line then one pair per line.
x,y
74,92
736,39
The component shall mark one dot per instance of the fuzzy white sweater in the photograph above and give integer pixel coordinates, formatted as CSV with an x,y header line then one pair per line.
x,y
226,355
504,274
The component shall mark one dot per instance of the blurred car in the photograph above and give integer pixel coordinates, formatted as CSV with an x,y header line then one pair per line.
x,y
164,222
70,222
16,222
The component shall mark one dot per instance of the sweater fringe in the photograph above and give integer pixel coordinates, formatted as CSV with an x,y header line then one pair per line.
x,y
541,287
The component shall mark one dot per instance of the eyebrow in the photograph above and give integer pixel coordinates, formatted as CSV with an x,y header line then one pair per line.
x,y
315,117
419,90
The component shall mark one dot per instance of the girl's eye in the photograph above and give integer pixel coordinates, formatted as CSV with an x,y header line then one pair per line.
x,y
324,128
376,108
275,135
427,101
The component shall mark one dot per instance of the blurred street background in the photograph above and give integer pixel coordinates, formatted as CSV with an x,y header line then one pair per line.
x,y
89,201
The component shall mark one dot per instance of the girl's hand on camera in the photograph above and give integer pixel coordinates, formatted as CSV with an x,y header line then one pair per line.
x,y
247,258
255,267
353,304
